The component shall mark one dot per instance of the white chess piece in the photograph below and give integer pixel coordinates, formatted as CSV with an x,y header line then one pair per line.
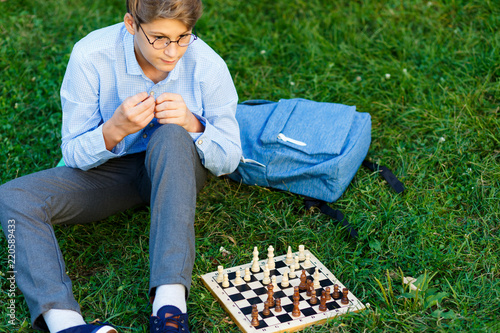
x,y
225,282
266,280
316,279
273,281
307,263
238,279
220,277
297,264
247,276
292,271
255,263
302,256
284,281
270,261
289,256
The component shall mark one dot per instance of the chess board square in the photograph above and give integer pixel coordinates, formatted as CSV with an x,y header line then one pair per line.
x,y
243,287
325,283
231,275
260,291
332,305
236,297
243,304
283,318
280,264
279,294
254,300
272,321
308,312
248,294
246,310
286,301
230,290
274,272
254,285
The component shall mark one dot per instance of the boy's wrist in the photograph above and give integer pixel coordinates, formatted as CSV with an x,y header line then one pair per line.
x,y
112,134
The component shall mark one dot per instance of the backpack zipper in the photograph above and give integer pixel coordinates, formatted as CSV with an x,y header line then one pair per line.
x,y
283,137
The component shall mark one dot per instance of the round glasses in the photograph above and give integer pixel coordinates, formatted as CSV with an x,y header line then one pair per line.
x,y
162,42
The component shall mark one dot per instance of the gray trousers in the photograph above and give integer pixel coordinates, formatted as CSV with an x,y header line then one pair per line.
x,y
167,176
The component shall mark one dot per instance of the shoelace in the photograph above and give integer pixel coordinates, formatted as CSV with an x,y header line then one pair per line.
x,y
161,324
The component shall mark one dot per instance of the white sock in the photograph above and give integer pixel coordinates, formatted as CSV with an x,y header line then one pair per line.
x,y
58,320
170,294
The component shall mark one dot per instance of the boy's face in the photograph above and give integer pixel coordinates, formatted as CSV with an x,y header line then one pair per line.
x,y
156,62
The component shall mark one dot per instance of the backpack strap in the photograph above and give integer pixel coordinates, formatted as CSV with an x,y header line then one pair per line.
x,y
388,175
333,213
337,215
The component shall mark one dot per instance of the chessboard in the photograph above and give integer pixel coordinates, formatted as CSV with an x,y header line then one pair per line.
x,y
244,291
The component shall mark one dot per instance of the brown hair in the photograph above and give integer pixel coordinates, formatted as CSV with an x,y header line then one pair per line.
x,y
146,11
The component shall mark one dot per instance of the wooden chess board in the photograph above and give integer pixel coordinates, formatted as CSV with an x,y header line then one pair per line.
x,y
237,299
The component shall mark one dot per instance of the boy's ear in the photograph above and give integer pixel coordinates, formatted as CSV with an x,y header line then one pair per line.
x,y
129,23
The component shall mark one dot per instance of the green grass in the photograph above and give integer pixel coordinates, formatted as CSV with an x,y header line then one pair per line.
x,y
436,123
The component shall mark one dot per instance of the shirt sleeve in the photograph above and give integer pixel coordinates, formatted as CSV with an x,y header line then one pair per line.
x,y
83,144
219,145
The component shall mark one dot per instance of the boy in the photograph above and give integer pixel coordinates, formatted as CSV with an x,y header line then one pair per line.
x,y
148,108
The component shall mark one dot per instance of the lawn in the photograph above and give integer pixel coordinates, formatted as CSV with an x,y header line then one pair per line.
x,y
428,72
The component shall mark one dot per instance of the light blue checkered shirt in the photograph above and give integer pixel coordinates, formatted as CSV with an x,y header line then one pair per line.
x,y
103,71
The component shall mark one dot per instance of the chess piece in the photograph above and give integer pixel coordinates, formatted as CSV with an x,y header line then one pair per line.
x,y
303,282
344,299
255,263
270,295
220,271
270,257
289,256
297,263
328,295
225,281
292,274
278,307
238,279
322,303
273,281
314,299
255,316
284,281
296,294
266,311
316,283
296,310
302,256
309,287
336,294
266,280
248,275
307,263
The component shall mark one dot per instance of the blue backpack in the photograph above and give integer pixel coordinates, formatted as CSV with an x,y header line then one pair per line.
x,y
309,148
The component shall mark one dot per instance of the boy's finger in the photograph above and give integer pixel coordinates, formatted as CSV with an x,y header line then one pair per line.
x,y
166,96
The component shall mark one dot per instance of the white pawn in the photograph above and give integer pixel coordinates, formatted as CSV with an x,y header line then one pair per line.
x,y
273,281
255,252
238,279
289,256
297,264
302,256
292,271
225,282
266,280
307,263
220,270
247,276
285,282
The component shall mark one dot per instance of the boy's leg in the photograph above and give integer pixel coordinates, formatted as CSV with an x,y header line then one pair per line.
x,y
176,175
35,202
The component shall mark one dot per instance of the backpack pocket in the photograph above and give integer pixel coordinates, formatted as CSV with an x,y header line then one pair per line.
x,y
310,127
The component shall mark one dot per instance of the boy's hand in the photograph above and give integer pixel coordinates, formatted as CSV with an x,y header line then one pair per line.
x,y
130,117
171,109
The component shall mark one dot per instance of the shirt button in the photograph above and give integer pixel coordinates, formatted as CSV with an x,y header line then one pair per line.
x,y
151,125
200,142
144,136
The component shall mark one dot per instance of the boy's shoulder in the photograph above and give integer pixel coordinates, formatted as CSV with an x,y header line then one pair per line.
x,y
101,39
201,53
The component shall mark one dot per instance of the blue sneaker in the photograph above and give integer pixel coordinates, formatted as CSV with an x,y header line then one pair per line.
x,y
98,327
174,322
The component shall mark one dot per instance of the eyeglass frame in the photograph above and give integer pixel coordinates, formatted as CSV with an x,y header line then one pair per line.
x,y
193,35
